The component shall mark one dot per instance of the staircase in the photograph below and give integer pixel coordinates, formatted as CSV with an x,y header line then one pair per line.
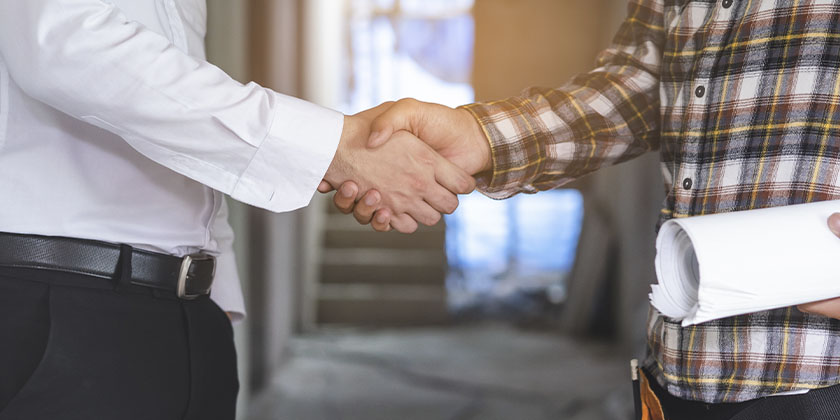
x,y
380,279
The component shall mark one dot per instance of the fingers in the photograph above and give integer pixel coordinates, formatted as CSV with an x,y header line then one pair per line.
x,y
382,221
345,198
365,210
367,206
403,223
325,187
452,180
424,213
452,177
441,200
834,223
397,117
829,308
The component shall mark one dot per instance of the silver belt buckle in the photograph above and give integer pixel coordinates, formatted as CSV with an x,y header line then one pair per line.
x,y
186,263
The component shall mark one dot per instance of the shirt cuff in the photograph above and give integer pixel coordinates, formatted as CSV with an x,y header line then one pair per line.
x,y
286,169
226,291
516,152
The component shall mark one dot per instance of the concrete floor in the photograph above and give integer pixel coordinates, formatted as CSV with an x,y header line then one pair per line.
x,y
458,373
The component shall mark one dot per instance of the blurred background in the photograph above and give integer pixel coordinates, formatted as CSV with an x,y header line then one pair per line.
x,y
527,308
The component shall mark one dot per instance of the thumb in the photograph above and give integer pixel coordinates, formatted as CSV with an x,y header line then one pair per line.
x,y
325,187
834,223
398,117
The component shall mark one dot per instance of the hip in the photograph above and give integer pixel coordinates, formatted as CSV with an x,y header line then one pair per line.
x,y
746,357
82,345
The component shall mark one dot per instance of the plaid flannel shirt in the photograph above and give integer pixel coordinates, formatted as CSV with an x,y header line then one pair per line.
x,y
741,99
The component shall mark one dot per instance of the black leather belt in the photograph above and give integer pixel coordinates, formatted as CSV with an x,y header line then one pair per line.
x,y
188,277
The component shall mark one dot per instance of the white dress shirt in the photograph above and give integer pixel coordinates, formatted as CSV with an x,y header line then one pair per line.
x,y
114,127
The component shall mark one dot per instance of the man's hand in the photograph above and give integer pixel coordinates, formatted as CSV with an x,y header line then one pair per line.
x,y
830,307
453,133
410,178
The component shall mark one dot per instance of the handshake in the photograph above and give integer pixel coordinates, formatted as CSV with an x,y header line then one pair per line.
x,y
404,163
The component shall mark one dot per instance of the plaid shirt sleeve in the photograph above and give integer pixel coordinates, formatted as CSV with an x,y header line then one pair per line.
x,y
547,137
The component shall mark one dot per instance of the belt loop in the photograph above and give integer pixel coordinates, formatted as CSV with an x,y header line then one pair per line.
x,y
124,269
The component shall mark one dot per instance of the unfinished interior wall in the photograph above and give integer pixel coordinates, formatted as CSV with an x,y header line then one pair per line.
x,y
522,43
226,43
258,40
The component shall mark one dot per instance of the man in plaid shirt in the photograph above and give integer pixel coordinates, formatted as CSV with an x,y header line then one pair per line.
x,y
742,100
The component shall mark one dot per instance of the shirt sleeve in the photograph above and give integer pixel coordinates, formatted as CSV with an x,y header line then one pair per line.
x,y
226,291
86,59
547,137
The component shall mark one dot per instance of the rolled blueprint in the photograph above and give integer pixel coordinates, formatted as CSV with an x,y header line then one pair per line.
x,y
722,265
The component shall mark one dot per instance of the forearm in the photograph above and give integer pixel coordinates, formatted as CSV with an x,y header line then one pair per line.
x,y
544,138
86,59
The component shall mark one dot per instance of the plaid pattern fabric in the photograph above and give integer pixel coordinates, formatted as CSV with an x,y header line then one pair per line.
x,y
742,100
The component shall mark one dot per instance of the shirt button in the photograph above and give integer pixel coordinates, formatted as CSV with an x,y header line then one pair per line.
x,y
700,91
727,4
687,184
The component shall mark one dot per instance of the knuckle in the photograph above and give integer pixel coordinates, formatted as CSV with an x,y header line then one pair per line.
x,y
428,160
418,183
362,209
405,229
433,219
406,225
452,205
361,216
345,208
425,155
467,185
410,102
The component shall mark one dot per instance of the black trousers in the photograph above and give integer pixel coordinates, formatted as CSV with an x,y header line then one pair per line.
x,y
818,404
77,347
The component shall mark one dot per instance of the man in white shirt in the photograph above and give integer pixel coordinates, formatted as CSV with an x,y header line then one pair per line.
x,y
117,141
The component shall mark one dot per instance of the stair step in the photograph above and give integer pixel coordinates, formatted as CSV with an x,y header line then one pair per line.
x,y
383,257
343,274
382,305
370,239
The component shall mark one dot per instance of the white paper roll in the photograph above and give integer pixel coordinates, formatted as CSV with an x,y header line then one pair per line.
x,y
722,265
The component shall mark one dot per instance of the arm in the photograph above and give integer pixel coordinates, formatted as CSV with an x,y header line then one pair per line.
x,y
86,59
546,137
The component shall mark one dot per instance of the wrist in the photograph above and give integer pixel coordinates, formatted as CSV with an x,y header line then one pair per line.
x,y
339,170
482,157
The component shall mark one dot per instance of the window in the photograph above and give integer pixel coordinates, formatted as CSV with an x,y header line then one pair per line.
x,y
410,48
497,250
511,257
